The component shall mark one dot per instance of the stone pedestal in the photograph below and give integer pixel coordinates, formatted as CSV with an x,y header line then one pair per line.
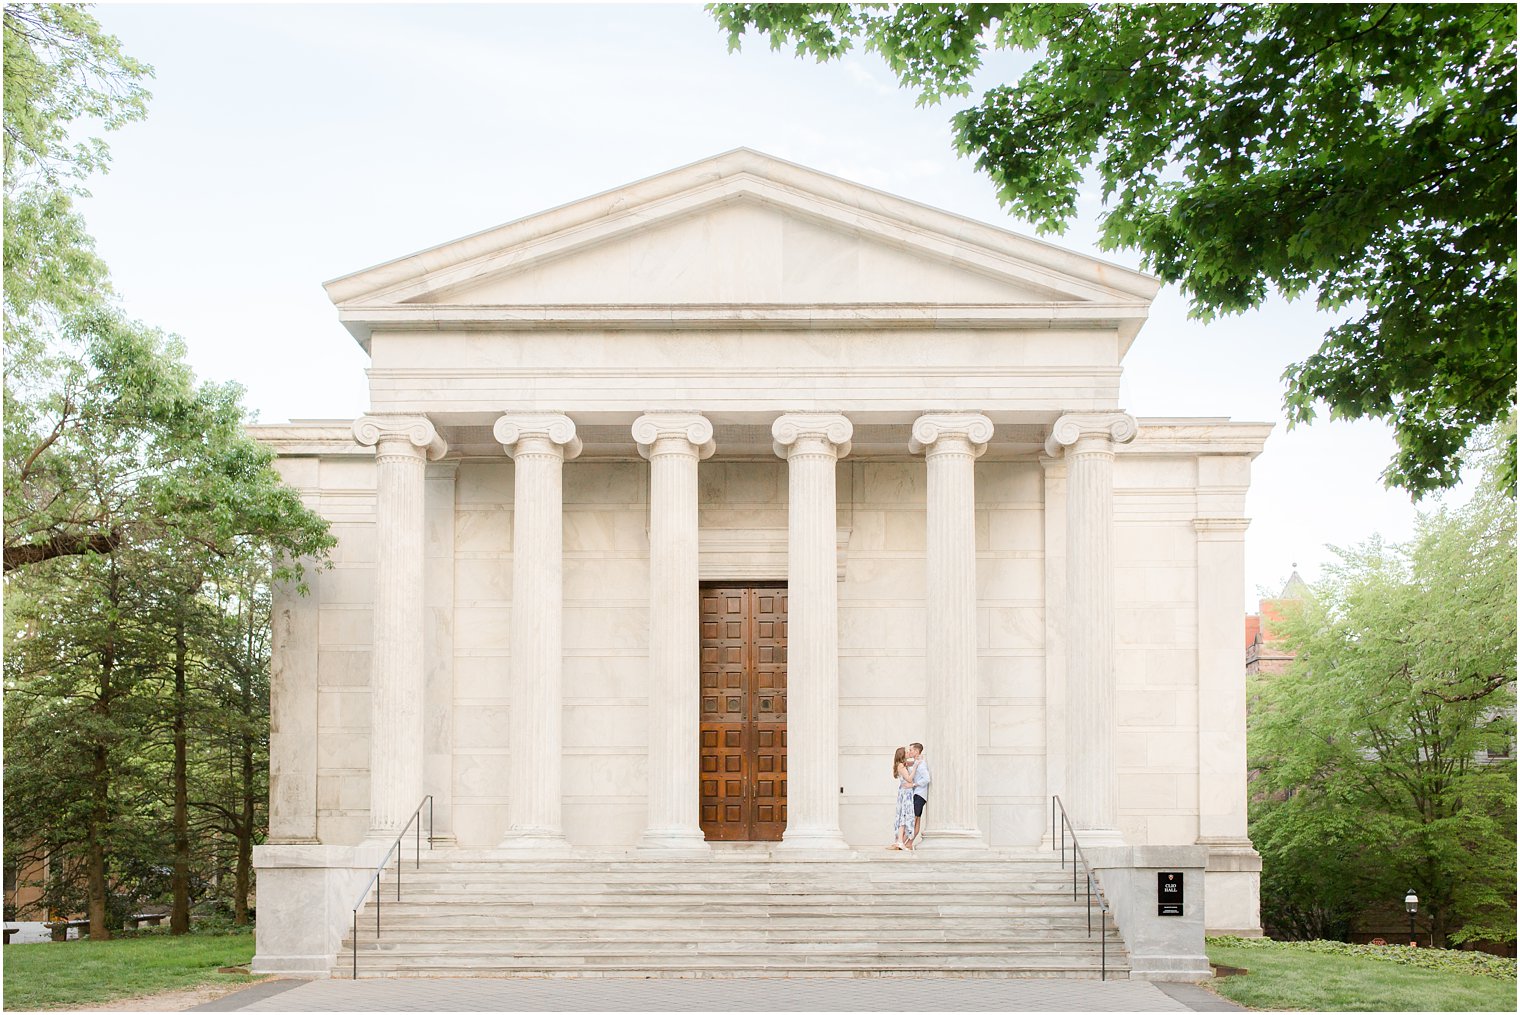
x,y
674,443
403,445
1161,948
951,444
812,444
539,444
1091,780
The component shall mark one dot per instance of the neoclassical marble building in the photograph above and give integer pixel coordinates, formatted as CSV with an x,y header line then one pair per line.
x,y
679,507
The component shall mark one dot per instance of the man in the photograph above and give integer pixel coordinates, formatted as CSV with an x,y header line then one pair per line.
x,y
920,790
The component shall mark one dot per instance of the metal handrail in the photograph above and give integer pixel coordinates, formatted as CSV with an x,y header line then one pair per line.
x,y
1094,887
374,881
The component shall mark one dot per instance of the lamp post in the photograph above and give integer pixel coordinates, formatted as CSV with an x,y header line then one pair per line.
x,y
1412,906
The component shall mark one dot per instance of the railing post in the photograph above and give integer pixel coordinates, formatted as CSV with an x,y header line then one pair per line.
x,y
1103,946
356,944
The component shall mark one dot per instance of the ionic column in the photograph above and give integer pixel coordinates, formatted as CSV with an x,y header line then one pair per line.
x,y
1091,720
951,444
674,443
812,443
539,444
403,446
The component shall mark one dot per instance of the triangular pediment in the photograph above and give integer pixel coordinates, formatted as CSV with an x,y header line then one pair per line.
x,y
742,249
740,230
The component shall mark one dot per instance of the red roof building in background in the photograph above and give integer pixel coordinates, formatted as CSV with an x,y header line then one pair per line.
x,y
1265,651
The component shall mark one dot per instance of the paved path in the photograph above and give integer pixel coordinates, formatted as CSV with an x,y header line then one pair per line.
x,y
736,994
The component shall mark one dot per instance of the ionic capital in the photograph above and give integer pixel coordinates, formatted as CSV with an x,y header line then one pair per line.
x,y
935,432
1101,428
689,427
405,435
816,432
517,431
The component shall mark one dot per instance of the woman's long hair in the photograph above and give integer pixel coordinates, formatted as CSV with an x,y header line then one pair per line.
x,y
898,758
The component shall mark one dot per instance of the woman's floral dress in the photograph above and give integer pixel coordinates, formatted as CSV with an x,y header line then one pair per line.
x,y
904,815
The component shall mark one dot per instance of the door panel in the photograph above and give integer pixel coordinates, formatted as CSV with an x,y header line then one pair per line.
x,y
743,700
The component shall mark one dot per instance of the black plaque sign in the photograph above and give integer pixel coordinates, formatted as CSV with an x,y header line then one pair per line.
x,y
1168,893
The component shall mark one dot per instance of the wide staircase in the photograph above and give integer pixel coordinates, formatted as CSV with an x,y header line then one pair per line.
x,y
740,913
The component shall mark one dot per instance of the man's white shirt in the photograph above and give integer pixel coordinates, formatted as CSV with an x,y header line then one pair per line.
x,y
921,779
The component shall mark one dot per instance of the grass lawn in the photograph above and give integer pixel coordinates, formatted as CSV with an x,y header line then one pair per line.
x,y
86,972
1317,976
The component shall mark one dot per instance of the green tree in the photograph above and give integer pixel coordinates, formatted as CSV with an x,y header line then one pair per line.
x,y
129,489
1386,753
77,375
231,783
113,656
77,768
1362,153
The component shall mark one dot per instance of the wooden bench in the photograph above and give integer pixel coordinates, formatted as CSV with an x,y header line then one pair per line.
x,y
9,932
151,919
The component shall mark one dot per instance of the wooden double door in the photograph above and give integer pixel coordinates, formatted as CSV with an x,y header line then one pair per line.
x,y
743,784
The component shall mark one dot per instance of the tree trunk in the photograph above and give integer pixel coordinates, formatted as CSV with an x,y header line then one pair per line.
x,y
100,792
179,916
95,849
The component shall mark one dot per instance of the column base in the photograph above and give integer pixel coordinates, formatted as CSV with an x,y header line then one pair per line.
x,y
937,839
823,841
384,838
674,840
535,841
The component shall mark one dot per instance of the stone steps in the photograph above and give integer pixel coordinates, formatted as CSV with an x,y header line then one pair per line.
x,y
545,944
740,915
647,919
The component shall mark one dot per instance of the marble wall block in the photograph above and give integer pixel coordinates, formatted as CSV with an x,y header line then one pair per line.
x,y
1011,674
1009,484
1007,775
865,675
356,543
1017,726
345,627
593,822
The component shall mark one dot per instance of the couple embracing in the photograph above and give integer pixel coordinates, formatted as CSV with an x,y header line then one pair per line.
x,y
912,774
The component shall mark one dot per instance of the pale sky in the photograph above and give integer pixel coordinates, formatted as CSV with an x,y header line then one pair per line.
x,y
286,145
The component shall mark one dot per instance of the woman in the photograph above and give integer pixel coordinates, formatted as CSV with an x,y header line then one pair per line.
x,y
902,771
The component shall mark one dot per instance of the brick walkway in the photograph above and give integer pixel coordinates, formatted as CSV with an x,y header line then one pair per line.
x,y
739,994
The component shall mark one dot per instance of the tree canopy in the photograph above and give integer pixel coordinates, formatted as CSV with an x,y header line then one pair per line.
x,y
1363,154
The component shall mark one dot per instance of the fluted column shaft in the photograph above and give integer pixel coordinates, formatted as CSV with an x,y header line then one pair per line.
x,y
1091,718
402,446
812,444
951,445
674,443
539,446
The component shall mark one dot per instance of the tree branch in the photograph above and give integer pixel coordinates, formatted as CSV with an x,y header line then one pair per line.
x,y
60,545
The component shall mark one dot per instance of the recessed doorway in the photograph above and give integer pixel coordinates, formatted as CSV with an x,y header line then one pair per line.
x,y
743,755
